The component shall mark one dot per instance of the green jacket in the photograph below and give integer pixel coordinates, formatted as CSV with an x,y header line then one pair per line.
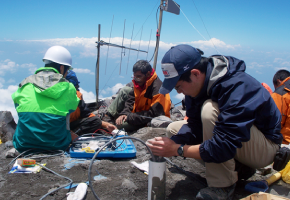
x,y
43,102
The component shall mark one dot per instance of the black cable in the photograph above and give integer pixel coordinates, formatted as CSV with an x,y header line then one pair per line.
x,y
96,154
156,35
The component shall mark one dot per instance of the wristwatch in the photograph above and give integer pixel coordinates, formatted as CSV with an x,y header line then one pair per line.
x,y
180,150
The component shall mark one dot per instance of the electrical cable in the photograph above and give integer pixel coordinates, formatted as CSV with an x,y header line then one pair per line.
x,y
157,34
35,151
47,156
146,19
69,184
96,154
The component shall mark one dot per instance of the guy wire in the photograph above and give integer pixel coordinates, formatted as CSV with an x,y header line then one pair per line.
x,y
196,28
204,26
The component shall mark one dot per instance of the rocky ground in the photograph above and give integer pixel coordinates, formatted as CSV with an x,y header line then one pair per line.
x,y
117,179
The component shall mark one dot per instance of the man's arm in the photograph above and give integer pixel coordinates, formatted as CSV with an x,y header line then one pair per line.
x,y
165,147
160,105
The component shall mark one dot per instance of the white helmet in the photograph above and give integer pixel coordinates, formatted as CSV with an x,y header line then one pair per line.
x,y
58,54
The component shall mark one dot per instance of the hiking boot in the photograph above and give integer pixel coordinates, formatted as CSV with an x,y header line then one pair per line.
x,y
215,193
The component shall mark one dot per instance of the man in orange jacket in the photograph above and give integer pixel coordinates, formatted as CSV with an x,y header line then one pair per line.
x,y
134,108
82,121
281,96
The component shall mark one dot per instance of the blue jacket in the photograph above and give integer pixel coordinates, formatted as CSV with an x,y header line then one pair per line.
x,y
242,102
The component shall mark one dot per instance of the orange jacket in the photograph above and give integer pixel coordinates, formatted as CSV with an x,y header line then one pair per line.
x,y
281,96
267,87
147,103
81,110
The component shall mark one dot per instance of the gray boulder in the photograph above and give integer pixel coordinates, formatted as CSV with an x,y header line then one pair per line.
x,y
7,126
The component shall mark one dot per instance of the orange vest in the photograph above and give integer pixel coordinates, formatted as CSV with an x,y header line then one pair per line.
x,y
142,103
281,97
77,113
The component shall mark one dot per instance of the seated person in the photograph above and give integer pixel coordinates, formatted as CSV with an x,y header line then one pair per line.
x,y
134,108
44,102
281,96
82,121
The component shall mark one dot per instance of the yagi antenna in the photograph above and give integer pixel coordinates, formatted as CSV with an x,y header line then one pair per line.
x,y
101,43
149,44
108,46
122,48
129,50
139,42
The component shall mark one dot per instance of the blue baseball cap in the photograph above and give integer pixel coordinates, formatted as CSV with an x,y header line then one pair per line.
x,y
178,60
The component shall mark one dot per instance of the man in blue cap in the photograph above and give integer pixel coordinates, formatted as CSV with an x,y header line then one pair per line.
x,y
231,117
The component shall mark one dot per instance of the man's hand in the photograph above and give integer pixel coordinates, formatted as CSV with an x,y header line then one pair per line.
x,y
121,119
108,126
163,146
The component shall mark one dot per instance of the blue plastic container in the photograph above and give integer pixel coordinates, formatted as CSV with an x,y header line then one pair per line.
x,y
119,149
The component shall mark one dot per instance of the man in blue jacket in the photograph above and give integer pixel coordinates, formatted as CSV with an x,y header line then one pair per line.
x,y
231,116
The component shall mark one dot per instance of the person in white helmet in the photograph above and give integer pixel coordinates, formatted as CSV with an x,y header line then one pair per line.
x,y
44,102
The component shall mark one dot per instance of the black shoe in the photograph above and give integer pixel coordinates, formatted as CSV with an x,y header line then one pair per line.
x,y
244,172
215,193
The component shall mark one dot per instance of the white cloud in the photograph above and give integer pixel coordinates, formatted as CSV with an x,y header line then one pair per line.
x,y
83,71
28,65
32,70
282,62
255,65
90,50
179,96
7,65
6,102
110,91
286,64
88,96
31,67
2,80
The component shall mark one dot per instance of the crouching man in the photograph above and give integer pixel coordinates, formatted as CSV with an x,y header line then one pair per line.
x,y
231,117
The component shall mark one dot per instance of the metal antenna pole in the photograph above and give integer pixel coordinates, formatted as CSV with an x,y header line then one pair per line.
x,y
158,34
97,66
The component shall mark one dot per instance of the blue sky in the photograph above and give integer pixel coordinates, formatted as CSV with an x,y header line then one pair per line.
x,y
254,31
